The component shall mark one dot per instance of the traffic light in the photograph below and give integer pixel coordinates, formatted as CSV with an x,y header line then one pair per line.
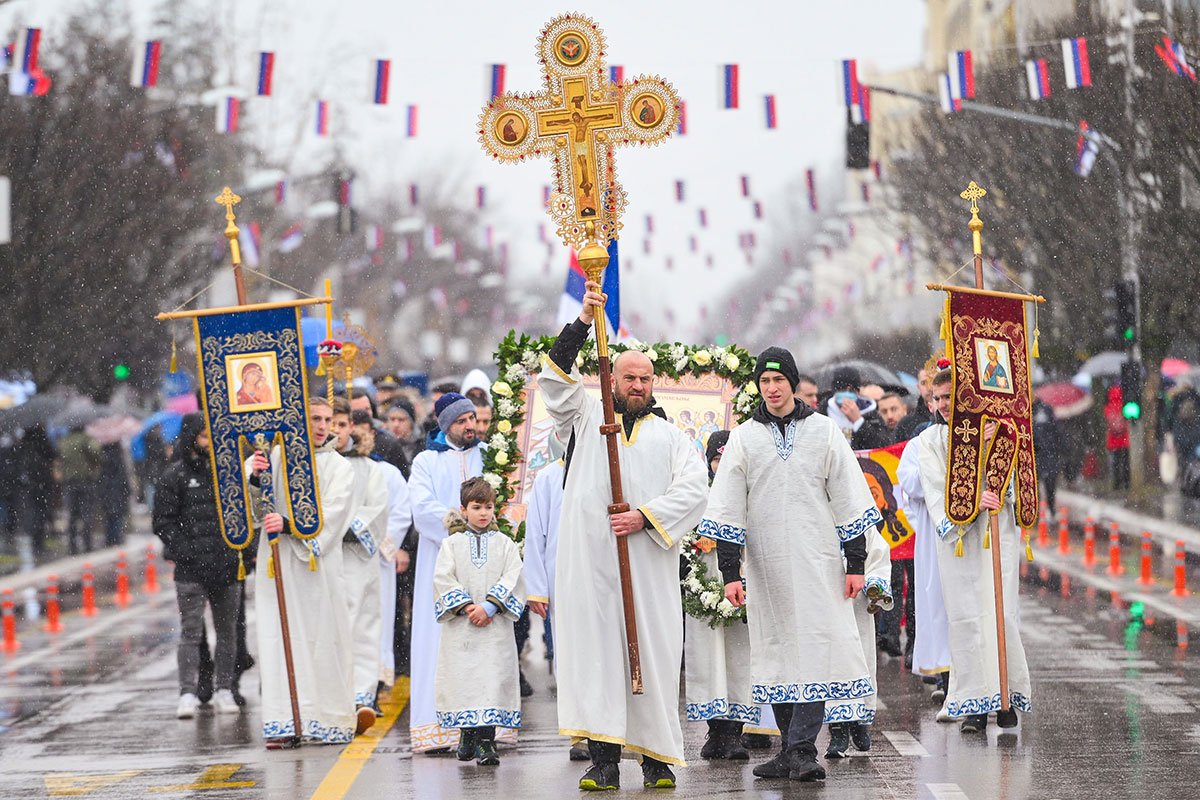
x,y
1126,311
1131,390
121,372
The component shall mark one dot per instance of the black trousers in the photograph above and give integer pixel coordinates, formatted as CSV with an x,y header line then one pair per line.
x,y
903,591
799,724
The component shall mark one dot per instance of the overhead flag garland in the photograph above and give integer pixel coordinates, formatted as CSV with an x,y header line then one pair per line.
x,y
769,108
322,118
729,85
1087,147
383,74
1038,77
852,90
227,115
1076,65
496,83
410,129
145,65
950,103
962,75
266,73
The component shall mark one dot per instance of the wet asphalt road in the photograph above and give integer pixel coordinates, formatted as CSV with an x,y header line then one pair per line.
x,y
89,713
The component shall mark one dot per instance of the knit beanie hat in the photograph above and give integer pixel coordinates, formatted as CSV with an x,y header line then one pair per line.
x,y
716,445
450,407
779,360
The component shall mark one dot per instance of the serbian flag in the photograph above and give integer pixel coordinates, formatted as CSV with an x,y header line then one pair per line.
x,y
322,119
950,103
145,64
757,210
865,111
649,224
545,194
962,75
480,196
572,298
682,129
729,85
495,80
383,77
616,73
1039,78
374,238
852,90
266,73
1075,63
1087,147
679,191
250,237
411,123
769,108
25,77
227,115
1175,57
745,181
810,186
280,192
703,216
413,194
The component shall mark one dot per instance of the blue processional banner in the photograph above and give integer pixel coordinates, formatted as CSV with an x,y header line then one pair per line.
x,y
253,383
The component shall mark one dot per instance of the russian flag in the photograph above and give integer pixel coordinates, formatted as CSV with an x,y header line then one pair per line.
x,y
1075,63
810,185
496,80
1039,78
227,115
1087,147
769,107
682,129
679,191
729,85
411,123
950,103
250,237
572,299
616,73
322,119
383,75
745,181
145,64
962,75
266,73
852,90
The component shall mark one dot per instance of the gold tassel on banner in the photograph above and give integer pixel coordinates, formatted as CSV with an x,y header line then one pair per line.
x,y
271,566
241,573
987,537
944,334
958,547
1028,547
174,360
1035,351
312,561
321,367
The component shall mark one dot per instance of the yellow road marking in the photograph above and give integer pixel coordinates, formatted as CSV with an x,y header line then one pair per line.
x,y
63,784
215,777
342,774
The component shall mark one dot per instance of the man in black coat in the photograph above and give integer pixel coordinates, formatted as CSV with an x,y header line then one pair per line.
x,y
186,519
856,416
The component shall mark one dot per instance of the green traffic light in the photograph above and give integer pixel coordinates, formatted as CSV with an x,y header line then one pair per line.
x,y
121,372
1132,410
1128,334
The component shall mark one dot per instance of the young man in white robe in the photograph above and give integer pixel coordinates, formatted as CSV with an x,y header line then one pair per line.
x,y
665,484
931,655
967,589
452,455
399,520
478,596
318,615
792,493
360,564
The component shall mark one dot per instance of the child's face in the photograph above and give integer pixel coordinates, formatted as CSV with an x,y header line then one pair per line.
x,y
478,515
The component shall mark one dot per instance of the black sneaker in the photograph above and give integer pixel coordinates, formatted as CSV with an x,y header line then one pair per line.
x,y
526,686
486,755
756,741
466,744
860,735
889,647
713,742
778,767
1007,719
601,777
975,723
806,768
656,774
839,740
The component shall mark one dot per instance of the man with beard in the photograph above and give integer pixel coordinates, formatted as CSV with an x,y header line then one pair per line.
x,y
665,486
452,455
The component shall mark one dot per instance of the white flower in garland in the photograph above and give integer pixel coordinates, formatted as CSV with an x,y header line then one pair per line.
x,y
679,352
732,362
702,358
507,408
651,354
502,389
498,443
515,374
726,608
710,599
530,360
494,480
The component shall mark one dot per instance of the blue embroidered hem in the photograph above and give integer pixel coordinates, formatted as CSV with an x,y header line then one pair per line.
x,y
944,528
849,712
884,586
986,705
364,699
721,708
857,527
479,717
724,533
314,731
450,602
811,692
504,597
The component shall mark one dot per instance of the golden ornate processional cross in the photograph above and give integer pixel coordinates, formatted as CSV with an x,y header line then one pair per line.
x,y
578,121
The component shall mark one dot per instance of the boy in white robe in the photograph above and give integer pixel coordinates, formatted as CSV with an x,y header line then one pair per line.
x,y
791,492
318,616
478,595
967,587
665,485
452,454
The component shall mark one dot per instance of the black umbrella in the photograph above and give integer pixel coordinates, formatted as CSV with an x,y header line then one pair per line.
x,y
40,408
868,372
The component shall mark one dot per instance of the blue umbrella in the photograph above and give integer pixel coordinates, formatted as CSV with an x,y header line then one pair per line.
x,y
168,422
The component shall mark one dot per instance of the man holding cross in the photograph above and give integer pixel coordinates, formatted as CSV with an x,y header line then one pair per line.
x,y
665,484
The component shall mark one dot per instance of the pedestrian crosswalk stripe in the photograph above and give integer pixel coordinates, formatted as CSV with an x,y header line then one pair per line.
x,y
946,791
906,744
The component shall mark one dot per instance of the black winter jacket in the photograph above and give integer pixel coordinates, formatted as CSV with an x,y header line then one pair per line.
x,y
185,517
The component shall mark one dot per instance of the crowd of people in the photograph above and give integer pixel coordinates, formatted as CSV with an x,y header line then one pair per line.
x,y
793,535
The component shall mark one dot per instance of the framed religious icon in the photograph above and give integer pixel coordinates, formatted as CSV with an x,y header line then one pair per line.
x,y
648,110
253,382
511,128
995,367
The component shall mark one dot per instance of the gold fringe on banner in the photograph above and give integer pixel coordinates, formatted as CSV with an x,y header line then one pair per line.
x,y
271,566
987,537
958,546
241,573
944,334
174,361
1028,547
312,561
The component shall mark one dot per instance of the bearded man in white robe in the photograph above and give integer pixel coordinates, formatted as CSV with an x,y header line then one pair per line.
x,y
791,491
665,485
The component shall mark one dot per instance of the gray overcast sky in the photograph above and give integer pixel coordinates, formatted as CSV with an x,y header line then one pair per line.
x,y
440,50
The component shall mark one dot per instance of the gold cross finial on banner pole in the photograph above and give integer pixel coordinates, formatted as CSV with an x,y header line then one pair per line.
x,y
974,192
228,199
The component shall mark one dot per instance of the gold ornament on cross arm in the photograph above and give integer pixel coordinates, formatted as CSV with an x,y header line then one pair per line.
x,y
974,192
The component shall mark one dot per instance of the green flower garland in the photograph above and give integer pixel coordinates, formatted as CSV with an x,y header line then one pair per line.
x,y
519,356
704,596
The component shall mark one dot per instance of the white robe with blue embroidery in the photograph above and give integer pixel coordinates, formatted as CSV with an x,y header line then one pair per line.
x,y
791,499
664,478
968,593
361,570
399,518
477,681
433,487
541,533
